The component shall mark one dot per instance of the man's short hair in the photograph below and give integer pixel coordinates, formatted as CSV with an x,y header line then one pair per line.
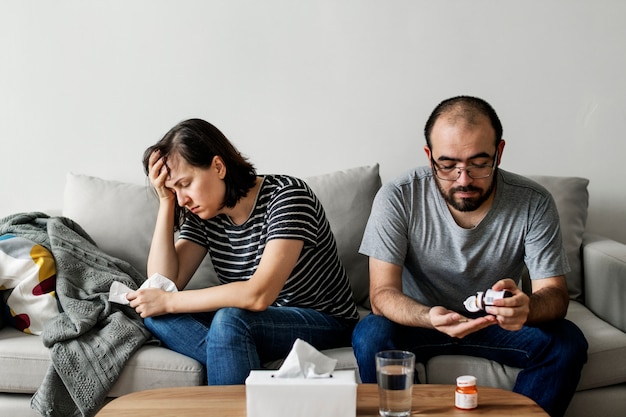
x,y
467,108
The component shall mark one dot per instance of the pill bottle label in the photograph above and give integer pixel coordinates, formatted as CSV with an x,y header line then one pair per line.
x,y
465,401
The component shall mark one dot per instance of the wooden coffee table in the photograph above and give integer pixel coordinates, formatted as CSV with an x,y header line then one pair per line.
x,y
230,401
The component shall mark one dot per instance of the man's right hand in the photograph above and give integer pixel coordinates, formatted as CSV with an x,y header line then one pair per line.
x,y
455,325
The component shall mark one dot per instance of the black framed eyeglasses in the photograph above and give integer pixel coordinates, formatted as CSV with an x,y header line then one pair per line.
x,y
453,173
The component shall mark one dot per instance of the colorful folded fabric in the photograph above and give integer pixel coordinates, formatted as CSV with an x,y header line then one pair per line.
x,y
27,280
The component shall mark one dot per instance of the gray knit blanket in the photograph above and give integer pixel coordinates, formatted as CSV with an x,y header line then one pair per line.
x,y
91,340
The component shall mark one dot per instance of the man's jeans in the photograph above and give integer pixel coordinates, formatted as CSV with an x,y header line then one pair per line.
x,y
551,356
231,341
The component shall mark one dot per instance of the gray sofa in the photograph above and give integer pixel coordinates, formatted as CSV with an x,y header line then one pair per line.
x,y
120,218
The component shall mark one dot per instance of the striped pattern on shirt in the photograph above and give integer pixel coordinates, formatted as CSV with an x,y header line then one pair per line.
x,y
286,208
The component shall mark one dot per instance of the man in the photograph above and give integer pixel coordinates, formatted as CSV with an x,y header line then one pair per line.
x,y
441,233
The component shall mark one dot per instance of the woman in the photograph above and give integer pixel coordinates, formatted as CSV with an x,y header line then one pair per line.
x,y
270,244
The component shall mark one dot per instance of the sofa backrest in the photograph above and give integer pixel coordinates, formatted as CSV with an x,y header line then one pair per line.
x,y
347,197
572,200
120,217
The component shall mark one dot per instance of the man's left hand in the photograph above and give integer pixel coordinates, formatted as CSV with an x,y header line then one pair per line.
x,y
512,312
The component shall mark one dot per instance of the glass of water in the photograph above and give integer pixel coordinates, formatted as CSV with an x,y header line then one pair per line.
x,y
394,372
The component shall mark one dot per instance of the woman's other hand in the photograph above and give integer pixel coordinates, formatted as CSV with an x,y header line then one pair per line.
x,y
149,302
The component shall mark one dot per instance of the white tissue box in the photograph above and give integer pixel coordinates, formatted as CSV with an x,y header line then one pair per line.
x,y
267,396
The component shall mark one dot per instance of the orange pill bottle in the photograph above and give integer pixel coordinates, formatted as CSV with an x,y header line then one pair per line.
x,y
466,395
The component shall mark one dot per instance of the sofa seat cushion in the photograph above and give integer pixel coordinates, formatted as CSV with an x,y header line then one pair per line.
x,y
607,349
605,365
24,362
157,367
345,358
445,369
16,405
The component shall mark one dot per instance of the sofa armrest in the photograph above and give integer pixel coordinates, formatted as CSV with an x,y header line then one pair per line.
x,y
604,269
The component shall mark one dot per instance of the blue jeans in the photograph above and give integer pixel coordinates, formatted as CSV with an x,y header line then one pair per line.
x,y
231,341
551,356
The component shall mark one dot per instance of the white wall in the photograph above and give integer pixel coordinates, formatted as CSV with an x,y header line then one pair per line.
x,y
307,87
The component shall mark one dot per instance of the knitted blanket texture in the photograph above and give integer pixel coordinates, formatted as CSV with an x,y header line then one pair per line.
x,y
91,340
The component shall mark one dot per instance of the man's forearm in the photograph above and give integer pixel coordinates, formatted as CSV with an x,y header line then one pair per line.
x,y
546,305
401,309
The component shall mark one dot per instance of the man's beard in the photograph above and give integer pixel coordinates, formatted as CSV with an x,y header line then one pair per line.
x,y
466,204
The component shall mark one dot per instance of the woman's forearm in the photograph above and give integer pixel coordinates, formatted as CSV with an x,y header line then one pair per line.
x,y
162,258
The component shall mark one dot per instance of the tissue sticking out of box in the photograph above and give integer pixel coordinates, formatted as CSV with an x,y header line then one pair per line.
x,y
304,361
118,291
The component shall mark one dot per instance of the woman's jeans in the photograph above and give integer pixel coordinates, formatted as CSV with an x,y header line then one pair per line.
x,y
231,341
551,356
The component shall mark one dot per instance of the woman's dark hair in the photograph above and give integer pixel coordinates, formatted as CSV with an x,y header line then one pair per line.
x,y
465,107
198,142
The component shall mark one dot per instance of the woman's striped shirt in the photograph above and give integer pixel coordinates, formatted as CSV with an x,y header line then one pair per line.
x,y
285,208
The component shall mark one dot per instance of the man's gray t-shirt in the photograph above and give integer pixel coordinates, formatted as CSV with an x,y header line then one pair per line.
x,y
443,263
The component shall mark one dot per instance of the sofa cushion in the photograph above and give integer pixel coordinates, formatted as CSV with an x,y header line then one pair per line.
x,y
572,200
120,217
607,349
347,197
24,362
157,367
445,369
